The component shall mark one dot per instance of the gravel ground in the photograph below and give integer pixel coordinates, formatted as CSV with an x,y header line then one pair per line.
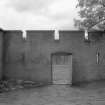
x,y
85,94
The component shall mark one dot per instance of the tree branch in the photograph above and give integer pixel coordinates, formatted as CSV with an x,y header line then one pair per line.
x,y
97,23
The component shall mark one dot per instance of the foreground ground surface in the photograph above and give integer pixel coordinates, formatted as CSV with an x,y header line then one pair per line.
x,y
85,94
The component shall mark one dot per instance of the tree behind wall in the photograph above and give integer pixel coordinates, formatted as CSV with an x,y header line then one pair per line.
x,y
92,14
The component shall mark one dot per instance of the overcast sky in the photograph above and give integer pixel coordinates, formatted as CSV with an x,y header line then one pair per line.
x,y
37,14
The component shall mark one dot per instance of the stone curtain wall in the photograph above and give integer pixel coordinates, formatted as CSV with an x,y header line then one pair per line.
x,y
30,59
1,54
85,67
14,54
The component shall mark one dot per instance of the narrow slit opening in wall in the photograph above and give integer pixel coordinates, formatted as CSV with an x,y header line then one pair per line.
x,y
56,35
86,35
24,35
